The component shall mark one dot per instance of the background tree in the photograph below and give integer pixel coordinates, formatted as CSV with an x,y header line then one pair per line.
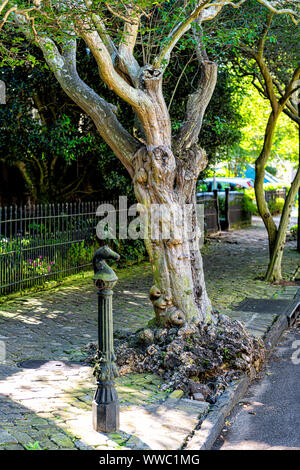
x,y
52,143
264,48
164,167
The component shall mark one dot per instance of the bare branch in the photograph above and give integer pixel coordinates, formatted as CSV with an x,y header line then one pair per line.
x,y
292,115
272,6
63,65
175,35
106,68
118,14
196,107
127,62
100,27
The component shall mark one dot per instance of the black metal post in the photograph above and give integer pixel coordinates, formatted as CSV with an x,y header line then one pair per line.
x,y
105,407
227,215
216,198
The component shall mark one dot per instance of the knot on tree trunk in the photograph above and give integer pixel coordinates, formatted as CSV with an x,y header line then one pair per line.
x,y
190,163
167,314
150,78
154,165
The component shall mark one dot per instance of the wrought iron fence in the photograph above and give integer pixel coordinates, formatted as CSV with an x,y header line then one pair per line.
x,y
223,210
236,214
273,194
45,242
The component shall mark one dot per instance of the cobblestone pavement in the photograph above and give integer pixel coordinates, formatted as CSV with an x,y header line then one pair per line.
x,y
49,405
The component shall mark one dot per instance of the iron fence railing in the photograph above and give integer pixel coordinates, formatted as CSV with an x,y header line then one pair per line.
x,y
45,242
211,211
223,210
273,194
48,242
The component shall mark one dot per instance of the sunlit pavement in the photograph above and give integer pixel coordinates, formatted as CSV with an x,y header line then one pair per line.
x,y
268,417
53,406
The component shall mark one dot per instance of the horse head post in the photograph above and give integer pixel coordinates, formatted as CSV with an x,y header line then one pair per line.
x,y
105,407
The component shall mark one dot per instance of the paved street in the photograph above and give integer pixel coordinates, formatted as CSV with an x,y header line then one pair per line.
x,y
268,418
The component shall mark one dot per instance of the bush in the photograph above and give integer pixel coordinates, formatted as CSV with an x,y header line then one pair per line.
x,y
294,232
249,205
130,251
274,187
294,229
276,206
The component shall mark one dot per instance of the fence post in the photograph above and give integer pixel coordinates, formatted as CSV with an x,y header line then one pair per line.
x,y
227,215
105,407
215,191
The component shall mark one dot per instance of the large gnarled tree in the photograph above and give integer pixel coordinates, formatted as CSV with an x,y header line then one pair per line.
x,y
164,167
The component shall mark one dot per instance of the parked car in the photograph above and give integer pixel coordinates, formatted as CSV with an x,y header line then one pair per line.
x,y
220,183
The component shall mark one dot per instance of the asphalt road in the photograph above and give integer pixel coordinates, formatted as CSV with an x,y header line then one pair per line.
x,y
268,417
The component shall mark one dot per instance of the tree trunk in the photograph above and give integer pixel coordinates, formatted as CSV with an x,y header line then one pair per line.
x,y
171,236
274,269
259,181
276,236
160,174
164,186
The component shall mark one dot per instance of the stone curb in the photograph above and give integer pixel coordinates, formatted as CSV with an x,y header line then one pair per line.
x,y
204,437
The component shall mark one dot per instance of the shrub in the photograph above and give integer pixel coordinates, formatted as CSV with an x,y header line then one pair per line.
x,y
249,205
276,206
130,251
294,232
294,229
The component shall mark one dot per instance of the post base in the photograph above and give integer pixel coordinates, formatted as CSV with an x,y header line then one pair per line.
x,y
106,409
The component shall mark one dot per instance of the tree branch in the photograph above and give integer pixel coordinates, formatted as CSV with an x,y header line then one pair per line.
x,y
102,113
126,61
293,116
109,75
175,35
198,101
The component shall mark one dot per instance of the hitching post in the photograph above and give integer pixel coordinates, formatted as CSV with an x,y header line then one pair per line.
x,y
105,407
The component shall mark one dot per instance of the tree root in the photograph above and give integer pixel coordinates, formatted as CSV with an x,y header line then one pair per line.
x,y
200,359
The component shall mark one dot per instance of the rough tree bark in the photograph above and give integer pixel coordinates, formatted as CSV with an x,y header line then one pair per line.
x,y
165,174
276,236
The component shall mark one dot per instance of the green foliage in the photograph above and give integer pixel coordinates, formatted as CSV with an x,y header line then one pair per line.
x,y
51,143
294,230
276,206
130,251
274,187
33,446
270,169
222,121
230,38
249,205
81,253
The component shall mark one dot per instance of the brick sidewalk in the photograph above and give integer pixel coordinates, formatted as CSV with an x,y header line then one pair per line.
x,y
51,404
